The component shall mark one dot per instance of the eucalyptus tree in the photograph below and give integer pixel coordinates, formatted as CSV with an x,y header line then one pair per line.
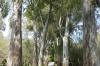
x,y
60,9
90,43
33,25
43,36
68,27
65,10
50,47
15,51
39,10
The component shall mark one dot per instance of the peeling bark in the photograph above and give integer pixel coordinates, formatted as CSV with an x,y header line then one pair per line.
x,y
90,45
15,52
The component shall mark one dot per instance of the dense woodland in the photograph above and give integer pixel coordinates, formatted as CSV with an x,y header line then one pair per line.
x,y
63,32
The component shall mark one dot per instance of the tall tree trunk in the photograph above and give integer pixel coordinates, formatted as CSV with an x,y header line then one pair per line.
x,y
65,43
59,39
90,46
35,55
15,52
59,54
46,58
43,39
35,51
43,36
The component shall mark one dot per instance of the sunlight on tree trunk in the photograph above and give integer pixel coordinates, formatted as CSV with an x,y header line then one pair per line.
x,y
15,52
42,47
65,43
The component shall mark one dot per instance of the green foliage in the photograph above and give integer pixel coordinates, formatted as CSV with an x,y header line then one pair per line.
x,y
60,8
96,3
76,11
32,13
28,13
13,0
11,24
27,47
51,32
52,51
4,44
4,62
75,53
29,26
99,42
1,24
4,8
19,1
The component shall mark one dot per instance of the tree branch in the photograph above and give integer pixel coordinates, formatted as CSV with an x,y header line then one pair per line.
x,y
41,16
50,8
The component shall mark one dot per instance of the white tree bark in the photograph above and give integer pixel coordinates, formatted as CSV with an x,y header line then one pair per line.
x,y
43,36
59,56
65,43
